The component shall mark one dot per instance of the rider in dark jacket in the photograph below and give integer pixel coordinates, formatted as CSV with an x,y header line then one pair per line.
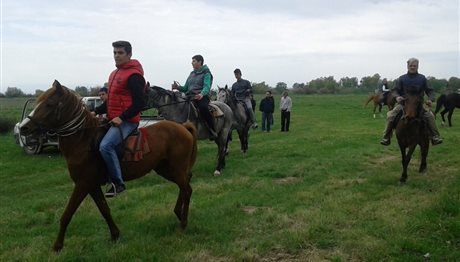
x,y
411,83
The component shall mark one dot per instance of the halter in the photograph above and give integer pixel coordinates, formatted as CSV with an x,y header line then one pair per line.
x,y
68,128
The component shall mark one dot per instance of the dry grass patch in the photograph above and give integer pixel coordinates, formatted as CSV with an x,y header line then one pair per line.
x,y
288,180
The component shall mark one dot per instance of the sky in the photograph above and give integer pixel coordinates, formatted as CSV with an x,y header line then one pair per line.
x,y
291,41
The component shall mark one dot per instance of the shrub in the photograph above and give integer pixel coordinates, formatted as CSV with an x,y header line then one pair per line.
x,y
6,125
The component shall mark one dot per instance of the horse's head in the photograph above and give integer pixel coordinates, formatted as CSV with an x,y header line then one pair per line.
x,y
413,106
53,109
223,94
171,105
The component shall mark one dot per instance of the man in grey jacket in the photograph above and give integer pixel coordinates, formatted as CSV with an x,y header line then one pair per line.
x,y
242,91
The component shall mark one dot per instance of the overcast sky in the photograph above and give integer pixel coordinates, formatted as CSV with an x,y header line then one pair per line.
x,y
273,41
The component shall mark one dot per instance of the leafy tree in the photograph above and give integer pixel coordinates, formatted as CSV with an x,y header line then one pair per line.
x,y
439,85
38,92
280,87
13,92
81,90
324,84
94,91
2,95
348,82
298,86
370,82
260,88
453,83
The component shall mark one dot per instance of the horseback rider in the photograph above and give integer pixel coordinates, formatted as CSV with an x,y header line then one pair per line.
x,y
198,85
242,91
123,106
413,83
385,91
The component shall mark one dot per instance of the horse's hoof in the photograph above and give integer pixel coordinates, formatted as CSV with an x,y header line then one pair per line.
x,y
57,247
217,173
402,183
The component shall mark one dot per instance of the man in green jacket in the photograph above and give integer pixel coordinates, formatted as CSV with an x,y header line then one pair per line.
x,y
198,85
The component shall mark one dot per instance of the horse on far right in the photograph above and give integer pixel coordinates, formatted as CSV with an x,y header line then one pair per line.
x,y
449,102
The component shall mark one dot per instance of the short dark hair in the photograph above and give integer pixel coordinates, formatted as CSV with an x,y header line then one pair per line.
x,y
268,91
237,71
123,44
103,89
199,58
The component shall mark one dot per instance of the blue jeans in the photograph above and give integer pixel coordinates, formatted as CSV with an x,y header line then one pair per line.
x,y
107,149
266,119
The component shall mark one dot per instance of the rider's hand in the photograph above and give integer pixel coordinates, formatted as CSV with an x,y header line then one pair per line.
x,y
429,103
199,97
175,85
116,121
399,99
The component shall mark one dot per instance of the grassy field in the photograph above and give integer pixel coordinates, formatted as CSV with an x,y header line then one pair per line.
x,y
325,191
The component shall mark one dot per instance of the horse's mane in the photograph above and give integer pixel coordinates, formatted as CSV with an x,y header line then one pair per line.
x,y
72,102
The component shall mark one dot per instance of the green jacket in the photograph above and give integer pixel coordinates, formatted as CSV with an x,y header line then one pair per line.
x,y
199,81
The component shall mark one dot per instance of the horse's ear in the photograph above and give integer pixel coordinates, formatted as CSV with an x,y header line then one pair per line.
x,y
56,84
147,84
58,87
226,86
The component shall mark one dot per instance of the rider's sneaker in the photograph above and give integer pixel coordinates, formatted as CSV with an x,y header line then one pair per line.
x,y
114,190
436,140
385,141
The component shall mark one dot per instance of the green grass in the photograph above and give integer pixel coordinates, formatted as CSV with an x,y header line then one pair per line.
x,y
324,191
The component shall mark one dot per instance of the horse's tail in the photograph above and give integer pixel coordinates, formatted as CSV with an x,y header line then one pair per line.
x,y
368,100
439,103
192,129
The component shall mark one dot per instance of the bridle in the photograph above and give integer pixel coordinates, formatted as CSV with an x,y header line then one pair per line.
x,y
69,128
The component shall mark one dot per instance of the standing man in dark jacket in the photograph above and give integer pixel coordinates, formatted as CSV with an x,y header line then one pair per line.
x,y
124,104
267,107
198,85
413,83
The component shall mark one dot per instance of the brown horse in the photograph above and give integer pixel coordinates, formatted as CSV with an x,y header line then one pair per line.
x,y
173,153
411,131
390,101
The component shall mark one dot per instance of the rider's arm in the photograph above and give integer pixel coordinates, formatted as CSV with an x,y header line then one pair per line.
x,y
136,84
206,84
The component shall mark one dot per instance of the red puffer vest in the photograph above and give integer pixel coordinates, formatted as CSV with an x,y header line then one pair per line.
x,y
119,96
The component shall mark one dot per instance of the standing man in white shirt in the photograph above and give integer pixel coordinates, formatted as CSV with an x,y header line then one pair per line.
x,y
285,106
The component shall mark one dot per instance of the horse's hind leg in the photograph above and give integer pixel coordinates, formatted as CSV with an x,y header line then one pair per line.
x,y
183,202
443,112
103,207
449,117
79,193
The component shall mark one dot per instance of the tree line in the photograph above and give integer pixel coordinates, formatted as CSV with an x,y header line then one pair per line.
x,y
322,85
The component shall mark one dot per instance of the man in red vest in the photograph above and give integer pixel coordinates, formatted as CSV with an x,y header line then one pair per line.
x,y
124,104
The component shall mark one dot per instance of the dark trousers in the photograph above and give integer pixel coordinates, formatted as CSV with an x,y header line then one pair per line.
x,y
266,121
285,120
203,107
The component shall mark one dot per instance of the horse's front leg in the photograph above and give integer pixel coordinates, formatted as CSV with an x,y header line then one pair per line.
x,y
220,156
103,207
424,148
79,193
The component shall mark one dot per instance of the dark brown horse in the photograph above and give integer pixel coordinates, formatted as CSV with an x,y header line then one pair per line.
x,y
449,102
411,131
172,155
390,101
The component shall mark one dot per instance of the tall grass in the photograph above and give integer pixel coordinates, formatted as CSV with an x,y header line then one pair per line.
x,y
324,191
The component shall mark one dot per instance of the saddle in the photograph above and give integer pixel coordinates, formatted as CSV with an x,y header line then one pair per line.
x,y
215,111
135,146
132,148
